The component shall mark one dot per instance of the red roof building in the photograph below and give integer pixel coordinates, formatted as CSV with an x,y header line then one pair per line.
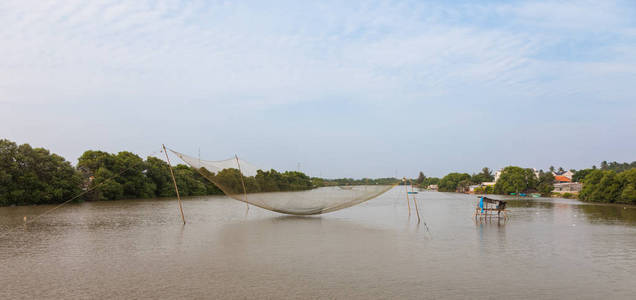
x,y
561,179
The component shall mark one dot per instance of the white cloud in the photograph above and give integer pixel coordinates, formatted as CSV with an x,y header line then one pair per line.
x,y
69,49
474,61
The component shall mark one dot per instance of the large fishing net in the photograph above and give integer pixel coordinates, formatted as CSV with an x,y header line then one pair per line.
x,y
289,192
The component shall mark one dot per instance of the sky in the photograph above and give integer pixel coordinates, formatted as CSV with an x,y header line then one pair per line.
x,y
333,88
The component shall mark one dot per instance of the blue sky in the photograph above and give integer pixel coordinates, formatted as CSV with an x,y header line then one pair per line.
x,y
345,88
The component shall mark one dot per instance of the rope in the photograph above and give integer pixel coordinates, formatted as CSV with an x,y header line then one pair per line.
x,y
247,204
31,220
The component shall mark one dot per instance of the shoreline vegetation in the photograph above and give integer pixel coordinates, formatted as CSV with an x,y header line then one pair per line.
x,y
611,183
30,176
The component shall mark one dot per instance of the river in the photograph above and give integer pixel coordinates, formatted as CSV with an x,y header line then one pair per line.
x,y
549,248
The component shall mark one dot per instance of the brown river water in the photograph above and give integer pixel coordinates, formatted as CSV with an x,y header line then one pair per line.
x,y
548,249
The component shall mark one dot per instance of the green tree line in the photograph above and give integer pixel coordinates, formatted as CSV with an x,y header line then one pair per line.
x,y
613,182
455,181
350,181
512,180
231,181
424,182
616,166
523,180
36,176
125,175
609,186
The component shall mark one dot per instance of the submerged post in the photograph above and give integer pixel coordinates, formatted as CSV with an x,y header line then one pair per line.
x,y
406,189
176,189
415,201
247,205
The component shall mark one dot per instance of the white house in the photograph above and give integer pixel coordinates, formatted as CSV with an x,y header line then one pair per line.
x,y
567,174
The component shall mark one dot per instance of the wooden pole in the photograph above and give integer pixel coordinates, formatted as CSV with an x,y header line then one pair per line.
x,y
406,189
247,205
415,201
174,181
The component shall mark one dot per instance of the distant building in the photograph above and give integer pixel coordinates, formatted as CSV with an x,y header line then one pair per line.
x,y
498,174
567,174
433,187
562,179
568,187
471,189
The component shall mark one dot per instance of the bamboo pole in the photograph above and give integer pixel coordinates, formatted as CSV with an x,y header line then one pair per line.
x,y
247,205
406,189
415,201
174,181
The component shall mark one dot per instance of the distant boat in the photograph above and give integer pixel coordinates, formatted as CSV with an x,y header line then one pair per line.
x,y
412,192
535,195
522,194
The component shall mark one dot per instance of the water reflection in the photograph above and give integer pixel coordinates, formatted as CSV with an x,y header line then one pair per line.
x,y
288,234
609,214
595,212
549,248
490,228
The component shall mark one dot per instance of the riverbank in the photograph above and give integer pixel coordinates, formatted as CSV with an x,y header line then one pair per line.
x,y
603,185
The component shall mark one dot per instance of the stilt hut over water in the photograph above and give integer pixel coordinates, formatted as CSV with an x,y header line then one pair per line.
x,y
489,209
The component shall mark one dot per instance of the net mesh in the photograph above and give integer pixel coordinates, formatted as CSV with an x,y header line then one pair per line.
x,y
288,193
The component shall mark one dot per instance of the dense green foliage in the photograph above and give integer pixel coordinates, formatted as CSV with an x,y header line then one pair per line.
x,y
489,189
613,183
125,175
127,169
420,178
423,182
484,176
34,176
616,166
453,181
151,178
351,181
458,182
545,183
580,174
231,181
522,180
515,179
431,180
273,181
609,186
